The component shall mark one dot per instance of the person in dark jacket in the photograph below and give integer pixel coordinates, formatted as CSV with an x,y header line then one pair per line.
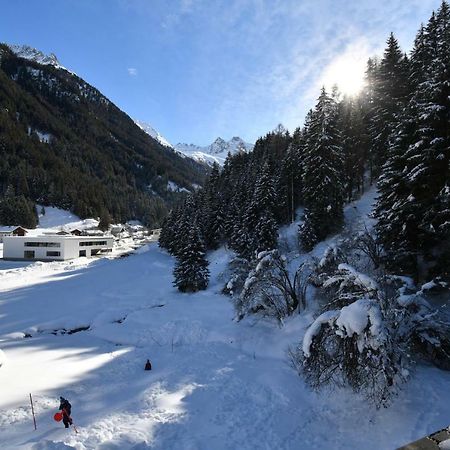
x,y
148,365
66,409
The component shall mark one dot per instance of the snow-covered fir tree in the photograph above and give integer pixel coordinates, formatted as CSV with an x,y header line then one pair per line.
x,y
212,211
289,182
355,143
390,89
411,214
191,272
323,179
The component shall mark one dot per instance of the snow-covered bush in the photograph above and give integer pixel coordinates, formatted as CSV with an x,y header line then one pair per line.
x,y
327,265
347,285
238,269
370,334
429,335
271,290
353,346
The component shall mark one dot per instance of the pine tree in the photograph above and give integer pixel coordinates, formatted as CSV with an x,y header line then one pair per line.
x,y
307,232
266,233
191,272
289,182
323,178
212,211
412,205
442,231
265,196
390,90
167,232
104,220
17,210
355,144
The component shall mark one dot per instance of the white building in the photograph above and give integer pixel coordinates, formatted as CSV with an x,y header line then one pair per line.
x,y
54,247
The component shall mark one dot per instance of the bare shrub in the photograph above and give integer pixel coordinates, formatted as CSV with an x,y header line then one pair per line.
x,y
271,290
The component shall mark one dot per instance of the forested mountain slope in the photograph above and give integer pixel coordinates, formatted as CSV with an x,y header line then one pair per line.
x,y
63,143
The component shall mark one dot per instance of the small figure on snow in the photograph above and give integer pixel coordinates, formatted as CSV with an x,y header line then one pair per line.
x,y
148,365
66,409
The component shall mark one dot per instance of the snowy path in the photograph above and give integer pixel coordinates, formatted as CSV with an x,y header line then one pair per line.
x,y
216,384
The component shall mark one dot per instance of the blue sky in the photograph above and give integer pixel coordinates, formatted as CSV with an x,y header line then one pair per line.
x,y
198,69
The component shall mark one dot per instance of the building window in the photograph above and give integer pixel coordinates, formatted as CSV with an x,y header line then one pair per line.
x,y
28,254
82,253
42,244
91,243
53,253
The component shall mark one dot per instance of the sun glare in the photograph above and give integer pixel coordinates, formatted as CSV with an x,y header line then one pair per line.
x,y
347,70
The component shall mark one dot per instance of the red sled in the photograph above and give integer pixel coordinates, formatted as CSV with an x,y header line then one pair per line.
x,y
58,416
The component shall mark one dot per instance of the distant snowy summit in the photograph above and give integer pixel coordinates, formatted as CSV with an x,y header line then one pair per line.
x,y
216,152
153,133
219,147
32,54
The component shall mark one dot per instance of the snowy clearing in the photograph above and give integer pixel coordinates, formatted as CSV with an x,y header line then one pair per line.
x,y
215,383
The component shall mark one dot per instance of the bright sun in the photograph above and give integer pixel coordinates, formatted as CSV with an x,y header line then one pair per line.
x,y
347,71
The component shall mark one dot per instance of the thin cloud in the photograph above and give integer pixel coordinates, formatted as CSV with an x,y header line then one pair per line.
x,y
132,71
254,63
321,43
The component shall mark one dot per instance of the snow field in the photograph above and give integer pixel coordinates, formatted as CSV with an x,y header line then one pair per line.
x,y
215,383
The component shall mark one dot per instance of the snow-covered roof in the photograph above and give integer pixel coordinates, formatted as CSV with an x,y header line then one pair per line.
x,y
7,229
10,229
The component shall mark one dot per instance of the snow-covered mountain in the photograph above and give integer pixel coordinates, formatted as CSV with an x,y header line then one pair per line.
x,y
153,133
216,152
32,54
